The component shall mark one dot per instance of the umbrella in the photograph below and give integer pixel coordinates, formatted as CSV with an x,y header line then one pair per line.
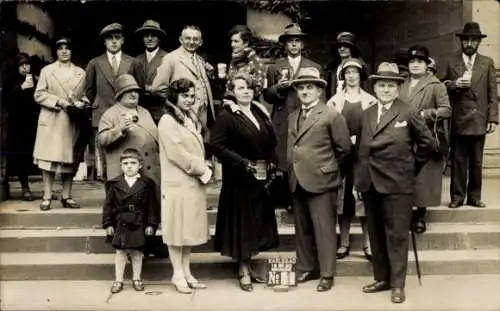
x,y
417,263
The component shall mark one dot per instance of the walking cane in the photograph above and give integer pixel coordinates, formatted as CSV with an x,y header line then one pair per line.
x,y
417,263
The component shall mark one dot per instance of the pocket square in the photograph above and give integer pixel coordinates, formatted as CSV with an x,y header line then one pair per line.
x,y
400,124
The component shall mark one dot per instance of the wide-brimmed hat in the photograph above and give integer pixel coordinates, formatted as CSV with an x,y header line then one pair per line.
x,y
419,52
110,29
125,83
347,38
309,75
471,29
354,62
291,30
151,26
387,71
432,65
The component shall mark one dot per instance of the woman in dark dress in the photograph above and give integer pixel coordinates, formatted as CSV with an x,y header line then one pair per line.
x,y
351,101
22,123
243,140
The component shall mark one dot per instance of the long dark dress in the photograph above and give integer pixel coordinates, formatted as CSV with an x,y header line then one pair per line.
x,y
21,128
246,223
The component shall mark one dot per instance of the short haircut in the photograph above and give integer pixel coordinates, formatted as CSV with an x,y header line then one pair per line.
x,y
193,27
130,153
245,33
178,87
252,83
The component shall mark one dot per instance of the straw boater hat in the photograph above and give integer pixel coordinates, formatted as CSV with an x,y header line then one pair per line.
x,y
349,39
387,71
354,62
309,75
110,29
151,26
125,83
471,29
291,30
419,52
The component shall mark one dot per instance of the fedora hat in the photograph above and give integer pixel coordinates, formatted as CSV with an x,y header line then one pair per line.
x,y
471,29
347,38
309,75
151,26
387,71
354,62
291,30
125,83
420,52
109,29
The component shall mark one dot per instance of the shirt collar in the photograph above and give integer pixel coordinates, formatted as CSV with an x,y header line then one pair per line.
x,y
294,60
152,53
311,106
466,58
118,56
388,106
138,175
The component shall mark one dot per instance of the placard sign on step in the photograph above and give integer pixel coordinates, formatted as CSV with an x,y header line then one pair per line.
x,y
281,272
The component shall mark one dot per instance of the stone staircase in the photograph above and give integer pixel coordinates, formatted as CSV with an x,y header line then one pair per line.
x,y
69,244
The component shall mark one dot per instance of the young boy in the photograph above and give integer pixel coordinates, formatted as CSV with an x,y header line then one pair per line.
x,y
129,216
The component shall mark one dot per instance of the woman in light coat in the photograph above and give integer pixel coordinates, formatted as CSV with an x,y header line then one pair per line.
x,y
184,172
59,91
428,95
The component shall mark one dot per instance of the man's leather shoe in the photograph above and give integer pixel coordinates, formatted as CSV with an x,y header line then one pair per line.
x,y
398,295
325,284
455,204
307,276
376,287
476,203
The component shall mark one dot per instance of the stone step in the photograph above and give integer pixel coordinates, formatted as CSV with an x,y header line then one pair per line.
x,y
440,236
212,266
19,214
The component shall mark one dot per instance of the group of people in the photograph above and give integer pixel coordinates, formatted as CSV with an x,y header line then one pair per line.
x,y
329,148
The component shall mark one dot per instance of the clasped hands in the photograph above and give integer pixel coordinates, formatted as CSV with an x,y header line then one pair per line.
x,y
149,231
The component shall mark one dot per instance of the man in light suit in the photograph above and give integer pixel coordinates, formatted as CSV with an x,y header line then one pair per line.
x,y
318,142
471,82
282,96
385,176
145,66
100,78
185,63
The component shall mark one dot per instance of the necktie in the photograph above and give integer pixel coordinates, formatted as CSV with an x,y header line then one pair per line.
x,y
382,112
303,116
149,57
114,65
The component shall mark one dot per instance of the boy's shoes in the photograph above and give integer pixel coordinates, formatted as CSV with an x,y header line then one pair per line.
x,y
138,285
116,287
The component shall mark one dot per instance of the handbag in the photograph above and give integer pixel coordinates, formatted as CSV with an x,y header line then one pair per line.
x,y
441,135
277,189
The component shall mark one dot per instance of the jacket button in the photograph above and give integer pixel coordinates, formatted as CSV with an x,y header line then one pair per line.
x,y
280,108
145,154
278,123
148,167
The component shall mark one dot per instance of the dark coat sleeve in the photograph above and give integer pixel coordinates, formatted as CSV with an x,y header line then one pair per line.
x,y
341,141
272,94
153,205
492,94
425,144
220,139
89,89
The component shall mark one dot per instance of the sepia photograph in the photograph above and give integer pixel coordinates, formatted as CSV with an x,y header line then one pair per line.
x,y
249,155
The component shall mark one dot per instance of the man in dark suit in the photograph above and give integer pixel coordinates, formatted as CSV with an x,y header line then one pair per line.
x,y
471,82
100,78
385,176
282,96
318,144
145,66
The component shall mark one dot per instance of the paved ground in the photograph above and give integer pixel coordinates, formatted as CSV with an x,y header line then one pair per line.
x,y
473,292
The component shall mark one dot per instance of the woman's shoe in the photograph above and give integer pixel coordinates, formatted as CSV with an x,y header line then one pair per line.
x,y
246,283
138,285
343,252
194,283
116,287
27,195
420,226
367,252
69,203
45,205
182,287
255,278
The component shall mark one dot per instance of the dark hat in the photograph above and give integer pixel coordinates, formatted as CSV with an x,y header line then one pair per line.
x,y
125,83
432,65
63,41
291,30
471,29
23,58
109,29
131,153
347,38
354,62
420,52
151,26
309,75
387,71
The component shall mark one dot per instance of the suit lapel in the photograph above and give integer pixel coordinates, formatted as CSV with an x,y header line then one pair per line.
x,y
311,119
153,65
72,84
387,117
106,70
459,65
186,61
124,64
478,69
129,191
372,118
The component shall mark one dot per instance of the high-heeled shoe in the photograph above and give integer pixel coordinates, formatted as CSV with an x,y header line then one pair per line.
x,y
244,285
195,284
69,203
343,251
182,287
45,204
255,278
